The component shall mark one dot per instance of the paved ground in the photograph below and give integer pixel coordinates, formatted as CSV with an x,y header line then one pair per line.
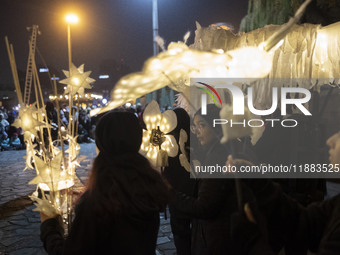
x,y
19,225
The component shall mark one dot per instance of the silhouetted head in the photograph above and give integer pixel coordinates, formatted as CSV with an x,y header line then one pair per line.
x,y
119,166
183,122
118,133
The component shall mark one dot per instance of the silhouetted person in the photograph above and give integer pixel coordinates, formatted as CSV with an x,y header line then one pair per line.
x,y
119,212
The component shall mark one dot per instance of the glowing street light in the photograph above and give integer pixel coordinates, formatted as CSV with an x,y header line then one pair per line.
x,y
70,19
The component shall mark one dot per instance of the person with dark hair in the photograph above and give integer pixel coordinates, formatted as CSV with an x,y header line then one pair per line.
x,y
214,200
119,212
179,178
51,112
315,227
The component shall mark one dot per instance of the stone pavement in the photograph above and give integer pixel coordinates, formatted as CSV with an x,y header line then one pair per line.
x,y
19,225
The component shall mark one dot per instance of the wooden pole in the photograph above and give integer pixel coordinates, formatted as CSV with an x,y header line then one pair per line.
x,y
11,57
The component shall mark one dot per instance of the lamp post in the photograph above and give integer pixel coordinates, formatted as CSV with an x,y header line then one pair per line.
x,y
153,94
70,19
156,50
155,26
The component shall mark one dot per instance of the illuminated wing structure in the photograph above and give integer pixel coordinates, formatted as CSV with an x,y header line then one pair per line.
x,y
179,63
305,54
308,56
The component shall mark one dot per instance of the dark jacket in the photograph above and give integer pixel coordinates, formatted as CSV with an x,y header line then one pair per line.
x,y
211,211
316,227
175,173
211,207
132,232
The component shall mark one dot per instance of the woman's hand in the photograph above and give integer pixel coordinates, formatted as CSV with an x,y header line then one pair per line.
x,y
237,162
44,217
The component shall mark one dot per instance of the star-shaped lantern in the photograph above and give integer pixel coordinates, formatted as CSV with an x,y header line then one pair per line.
x,y
77,80
28,119
50,176
30,152
157,145
44,205
73,149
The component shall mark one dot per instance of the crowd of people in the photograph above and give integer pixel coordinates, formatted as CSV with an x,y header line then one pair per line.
x,y
10,136
119,211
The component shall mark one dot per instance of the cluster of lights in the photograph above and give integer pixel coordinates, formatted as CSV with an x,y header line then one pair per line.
x,y
55,169
76,96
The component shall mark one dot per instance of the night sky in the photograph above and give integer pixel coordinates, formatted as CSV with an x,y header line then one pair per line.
x,y
107,29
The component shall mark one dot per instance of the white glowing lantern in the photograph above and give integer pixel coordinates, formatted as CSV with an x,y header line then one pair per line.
x,y
77,80
60,185
44,205
241,67
55,168
179,63
157,144
74,148
28,120
49,175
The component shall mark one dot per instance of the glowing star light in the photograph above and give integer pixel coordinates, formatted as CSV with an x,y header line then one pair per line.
x,y
28,120
44,205
157,145
74,147
50,176
77,80
30,152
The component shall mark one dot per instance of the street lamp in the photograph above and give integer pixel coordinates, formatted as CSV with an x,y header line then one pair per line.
x,y
153,94
70,19
156,48
155,26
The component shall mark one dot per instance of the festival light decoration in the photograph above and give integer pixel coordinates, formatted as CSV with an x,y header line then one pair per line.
x,y
44,205
157,144
28,120
54,166
77,80
50,176
179,63
307,56
74,148
175,66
